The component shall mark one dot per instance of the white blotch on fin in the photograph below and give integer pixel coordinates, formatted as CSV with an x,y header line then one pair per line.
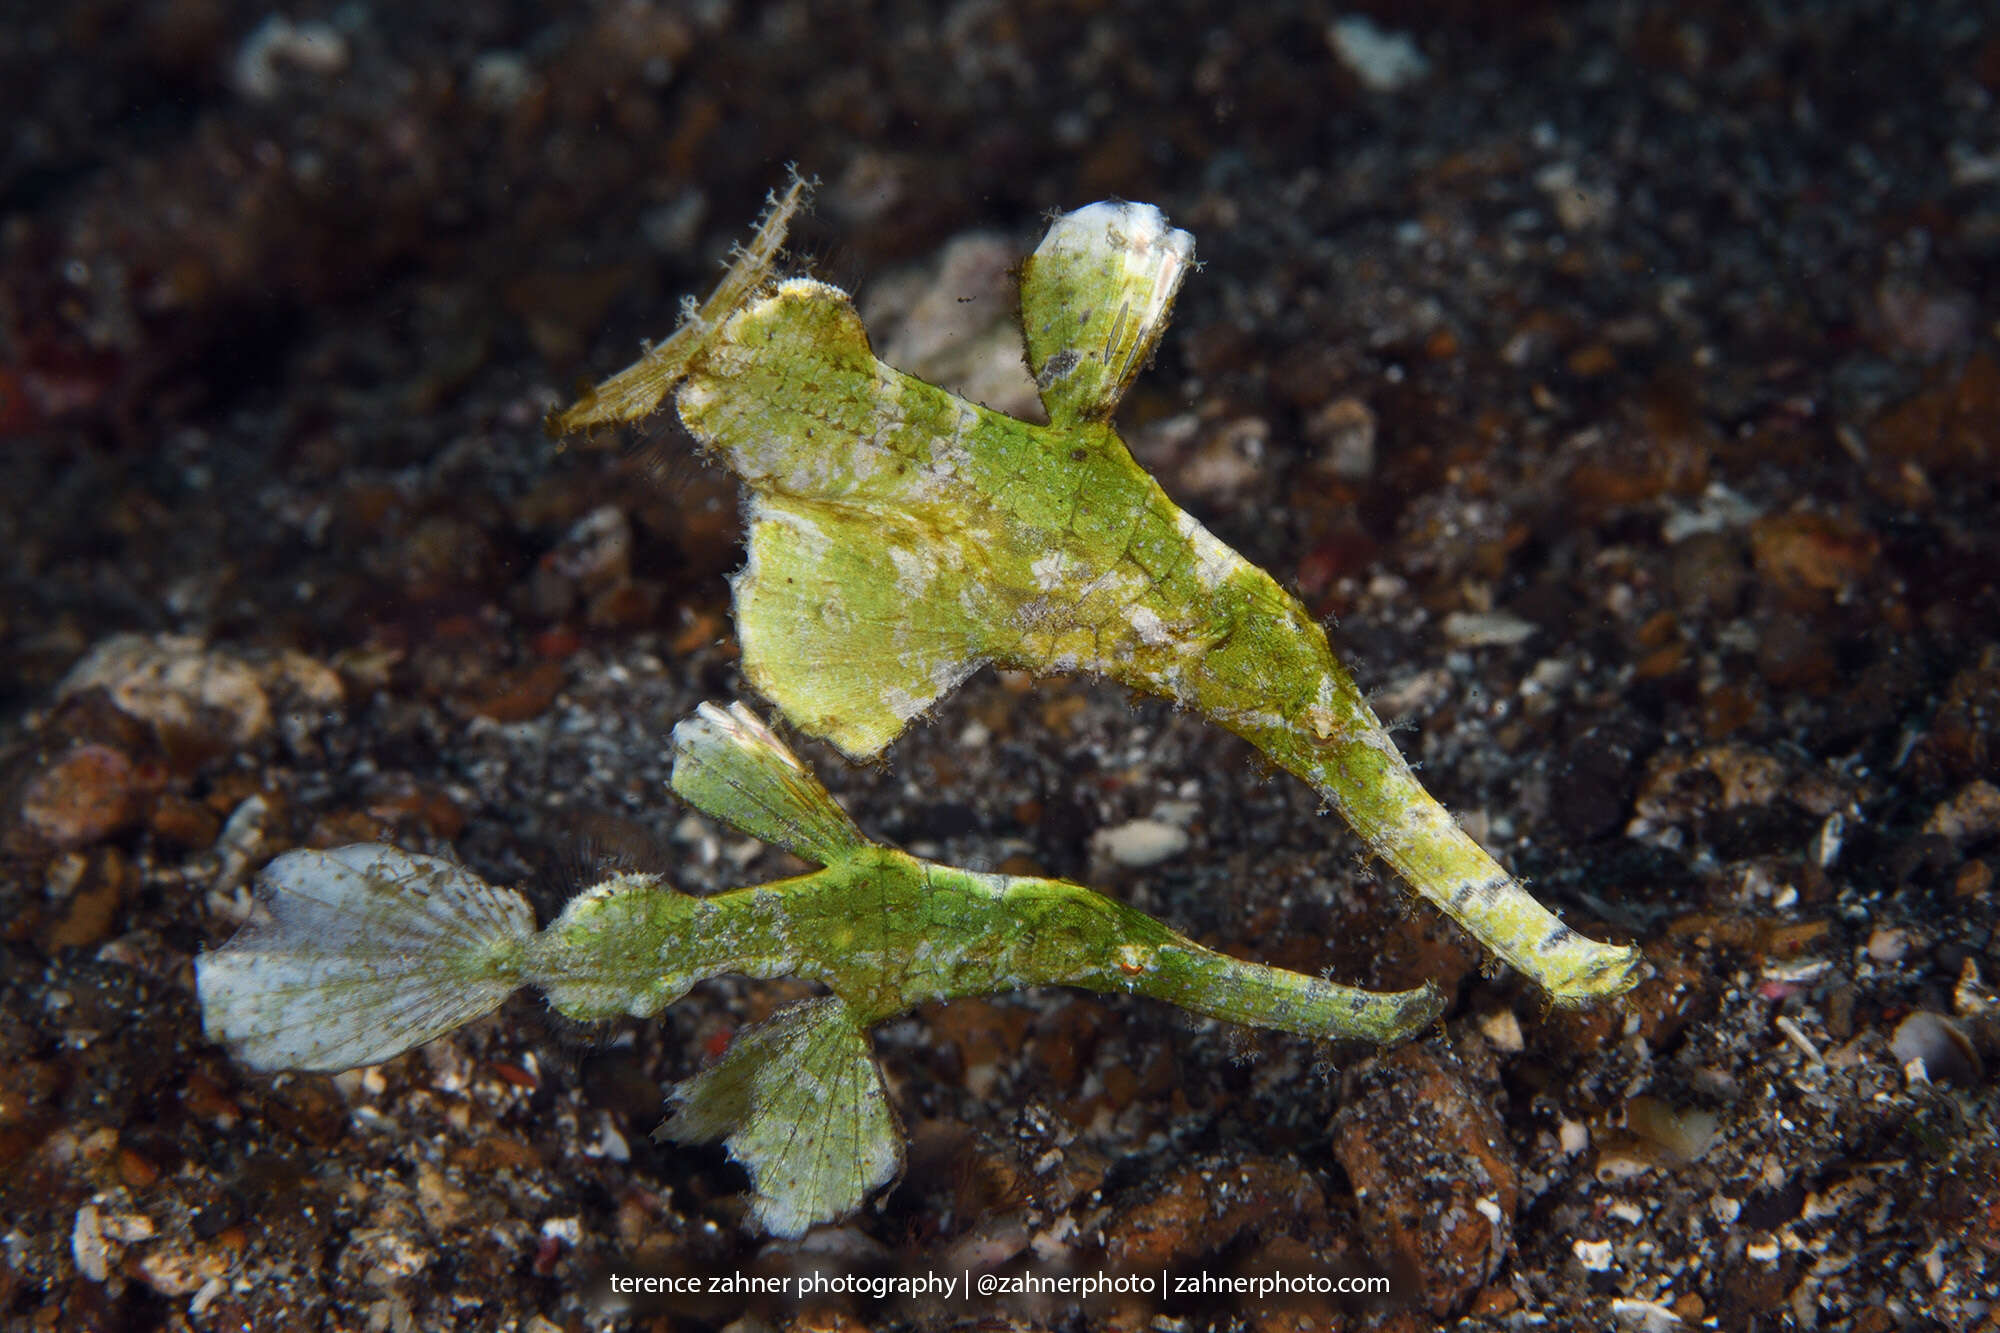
x,y
1048,569
1146,623
366,951
1214,561
800,1103
913,572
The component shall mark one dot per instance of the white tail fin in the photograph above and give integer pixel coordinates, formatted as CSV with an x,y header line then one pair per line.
x,y
366,951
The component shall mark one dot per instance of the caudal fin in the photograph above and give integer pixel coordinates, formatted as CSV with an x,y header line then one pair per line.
x,y
357,955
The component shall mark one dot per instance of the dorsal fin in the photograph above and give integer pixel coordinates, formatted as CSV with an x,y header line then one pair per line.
x,y
731,766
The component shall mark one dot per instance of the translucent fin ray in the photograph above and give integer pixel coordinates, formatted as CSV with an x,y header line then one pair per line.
x,y
731,766
363,952
799,1102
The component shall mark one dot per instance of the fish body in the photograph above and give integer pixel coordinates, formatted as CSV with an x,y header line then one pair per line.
x,y
900,538
367,950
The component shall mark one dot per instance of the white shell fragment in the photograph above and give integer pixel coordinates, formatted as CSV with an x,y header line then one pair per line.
x,y
1939,1047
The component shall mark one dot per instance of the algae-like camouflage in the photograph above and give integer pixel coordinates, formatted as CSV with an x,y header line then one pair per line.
x,y
365,951
901,537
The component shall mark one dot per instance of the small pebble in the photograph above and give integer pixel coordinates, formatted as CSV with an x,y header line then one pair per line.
x,y
84,797
1139,842
278,44
1888,946
1502,1030
1487,629
1594,1255
88,1245
177,684
1343,431
1973,814
1384,62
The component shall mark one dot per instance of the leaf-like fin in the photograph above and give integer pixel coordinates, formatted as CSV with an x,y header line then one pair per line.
x,y
365,951
835,625
800,1103
728,764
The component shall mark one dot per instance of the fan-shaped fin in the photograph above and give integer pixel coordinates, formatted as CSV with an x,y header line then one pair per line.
x,y
839,624
364,952
800,1103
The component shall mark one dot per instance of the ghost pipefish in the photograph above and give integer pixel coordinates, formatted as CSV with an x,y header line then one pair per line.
x,y
901,537
367,950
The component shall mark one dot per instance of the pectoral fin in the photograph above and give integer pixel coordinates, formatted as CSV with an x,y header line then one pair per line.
x,y
799,1101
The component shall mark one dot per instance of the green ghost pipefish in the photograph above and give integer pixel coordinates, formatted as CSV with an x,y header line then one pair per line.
x,y
366,951
901,537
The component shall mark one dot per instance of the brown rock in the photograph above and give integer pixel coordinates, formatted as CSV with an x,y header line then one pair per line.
x,y
1795,653
1708,574
629,605
1961,744
1971,816
1591,360
430,807
84,797
1665,452
185,822
28,1086
1807,557
1952,425
1205,1209
1875,1319
1681,786
821,1319
95,895
1751,1287
984,1036
518,695
1434,1176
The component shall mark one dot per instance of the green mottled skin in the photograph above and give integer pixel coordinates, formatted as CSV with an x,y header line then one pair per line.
x,y
901,537
367,950
885,932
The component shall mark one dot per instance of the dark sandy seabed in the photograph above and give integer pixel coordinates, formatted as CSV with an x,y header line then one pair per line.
x,y
1624,380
